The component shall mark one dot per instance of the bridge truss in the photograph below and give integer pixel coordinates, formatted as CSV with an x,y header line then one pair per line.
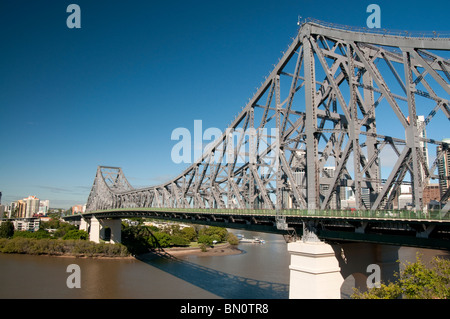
x,y
313,130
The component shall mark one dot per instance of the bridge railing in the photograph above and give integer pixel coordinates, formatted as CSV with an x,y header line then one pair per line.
x,y
327,213
377,214
441,35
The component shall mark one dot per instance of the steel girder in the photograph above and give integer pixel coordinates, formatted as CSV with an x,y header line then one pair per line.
x,y
319,105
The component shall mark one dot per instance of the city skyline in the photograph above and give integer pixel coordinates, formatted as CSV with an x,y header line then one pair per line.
x,y
112,92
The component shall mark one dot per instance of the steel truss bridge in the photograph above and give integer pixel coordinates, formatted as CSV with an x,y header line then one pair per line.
x,y
314,130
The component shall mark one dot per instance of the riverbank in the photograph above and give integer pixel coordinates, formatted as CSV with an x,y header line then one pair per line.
x,y
217,250
87,249
60,247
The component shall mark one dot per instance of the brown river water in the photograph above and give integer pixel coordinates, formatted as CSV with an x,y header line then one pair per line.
x,y
260,272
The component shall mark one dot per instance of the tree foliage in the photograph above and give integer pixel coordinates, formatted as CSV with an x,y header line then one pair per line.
x,y
47,246
189,233
39,234
219,233
205,239
6,229
141,239
415,281
160,240
76,234
179,241
232,239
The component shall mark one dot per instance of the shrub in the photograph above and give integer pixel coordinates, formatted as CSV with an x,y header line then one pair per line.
x,y
203,248
232,239
189,233
76,234
216,238
22,245
179,241
163,239
17,245
205,239
29,234
63,229
220,233
6,229
415,281
3,242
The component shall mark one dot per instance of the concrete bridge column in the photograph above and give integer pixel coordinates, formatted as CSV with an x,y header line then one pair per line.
x,y
94,234
319,269
387,257
314,268
115,225
84,225
355,259
98,227
314,271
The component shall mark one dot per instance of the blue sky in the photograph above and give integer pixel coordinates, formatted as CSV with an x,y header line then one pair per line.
x,y
112,92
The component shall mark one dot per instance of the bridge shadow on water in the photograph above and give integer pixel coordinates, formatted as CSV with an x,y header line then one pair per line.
x,y
222,284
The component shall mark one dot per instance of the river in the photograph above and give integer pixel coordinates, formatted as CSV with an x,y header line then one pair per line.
x,y
260,272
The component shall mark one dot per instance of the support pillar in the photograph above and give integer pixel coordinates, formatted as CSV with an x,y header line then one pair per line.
x,y
115,226
84,225
314,271
355,259
387,257
94,234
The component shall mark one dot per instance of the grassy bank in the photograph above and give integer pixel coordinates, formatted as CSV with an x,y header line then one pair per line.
x,y
59,247
68,240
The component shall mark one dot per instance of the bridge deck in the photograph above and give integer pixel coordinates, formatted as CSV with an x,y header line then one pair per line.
x,y
408,228
386,215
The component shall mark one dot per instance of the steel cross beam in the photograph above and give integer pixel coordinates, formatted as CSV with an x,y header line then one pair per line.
x,y
309,133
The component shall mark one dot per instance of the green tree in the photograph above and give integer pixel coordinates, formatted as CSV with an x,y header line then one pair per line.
x,y
179,241
136,239
39,234
63,228
53,223
174,230
163,239
6,229
415,281
76,234
232,239
205,239
217,238
189,233
220,232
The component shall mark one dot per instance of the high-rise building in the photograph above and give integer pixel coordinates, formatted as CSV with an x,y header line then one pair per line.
x,y
32,206
12,210
328,172
77,209
44,205
21,208
444,166
404,198
431,194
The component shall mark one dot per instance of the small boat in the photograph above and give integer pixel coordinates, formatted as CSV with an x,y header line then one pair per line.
x,y
254,240
259,240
